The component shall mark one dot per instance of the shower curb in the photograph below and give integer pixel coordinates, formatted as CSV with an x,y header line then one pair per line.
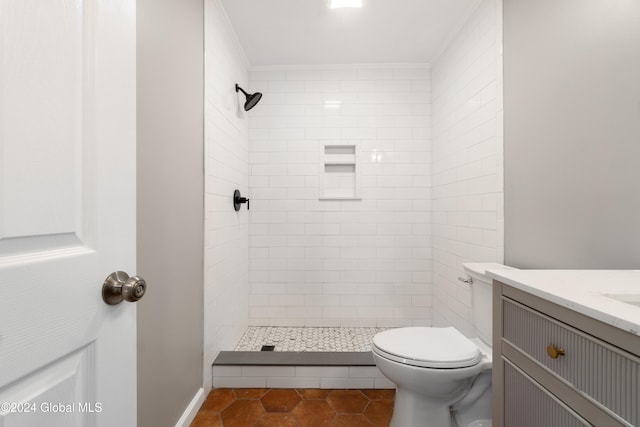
x,y
294,358
284,369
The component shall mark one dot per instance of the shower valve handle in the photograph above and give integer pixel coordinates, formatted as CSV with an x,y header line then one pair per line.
x,y
244,200
238,200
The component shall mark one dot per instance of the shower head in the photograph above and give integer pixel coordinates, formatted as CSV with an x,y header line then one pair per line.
x,y
252,98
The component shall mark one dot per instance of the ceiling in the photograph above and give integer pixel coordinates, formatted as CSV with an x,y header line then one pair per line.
x,y
307,32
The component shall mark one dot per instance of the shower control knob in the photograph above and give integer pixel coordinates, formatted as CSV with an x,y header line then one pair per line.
x,y
238,200
118,286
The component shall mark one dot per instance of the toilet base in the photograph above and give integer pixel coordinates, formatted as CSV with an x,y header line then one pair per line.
x,y
411,410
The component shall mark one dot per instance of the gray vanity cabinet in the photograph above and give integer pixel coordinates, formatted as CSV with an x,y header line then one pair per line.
x,y
554,367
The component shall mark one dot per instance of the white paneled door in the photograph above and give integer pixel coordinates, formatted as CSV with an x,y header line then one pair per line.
x,y
67,212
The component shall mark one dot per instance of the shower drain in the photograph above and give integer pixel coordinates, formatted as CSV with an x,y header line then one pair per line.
x,y
267,348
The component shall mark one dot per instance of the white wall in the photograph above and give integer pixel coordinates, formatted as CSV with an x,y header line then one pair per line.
x,y
340,263
467,161
572,134
226,286
170,207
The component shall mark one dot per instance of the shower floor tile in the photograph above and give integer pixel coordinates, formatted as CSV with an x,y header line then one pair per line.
x,y
308,339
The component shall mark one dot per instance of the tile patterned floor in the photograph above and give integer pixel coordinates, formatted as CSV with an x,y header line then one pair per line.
x,y
307,339
263,407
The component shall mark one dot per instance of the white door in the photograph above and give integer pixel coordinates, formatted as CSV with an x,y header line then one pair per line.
x,y
67,212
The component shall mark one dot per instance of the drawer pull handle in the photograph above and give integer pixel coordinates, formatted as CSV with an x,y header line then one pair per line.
x,y
555,352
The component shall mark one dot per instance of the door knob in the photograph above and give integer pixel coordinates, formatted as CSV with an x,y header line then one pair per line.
x,y
119,286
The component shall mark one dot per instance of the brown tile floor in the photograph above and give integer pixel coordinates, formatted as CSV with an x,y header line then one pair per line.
x,y
263,407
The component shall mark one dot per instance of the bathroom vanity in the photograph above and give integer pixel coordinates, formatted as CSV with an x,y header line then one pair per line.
x,y
566,348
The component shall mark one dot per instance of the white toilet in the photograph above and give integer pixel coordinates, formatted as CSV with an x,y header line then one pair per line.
x,y
443,378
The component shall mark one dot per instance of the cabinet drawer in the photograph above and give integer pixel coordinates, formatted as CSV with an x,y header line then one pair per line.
x,y
605,374
527,404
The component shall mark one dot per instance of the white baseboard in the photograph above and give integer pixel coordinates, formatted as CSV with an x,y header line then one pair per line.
x,y
192,409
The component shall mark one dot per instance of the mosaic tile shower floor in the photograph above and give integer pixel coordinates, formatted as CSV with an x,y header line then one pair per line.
x,y
308,339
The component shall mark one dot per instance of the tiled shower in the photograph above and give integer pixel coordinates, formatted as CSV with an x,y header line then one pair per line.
x,y
357,253
370,184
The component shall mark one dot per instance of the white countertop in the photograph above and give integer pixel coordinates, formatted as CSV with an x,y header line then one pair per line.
x,y
582,291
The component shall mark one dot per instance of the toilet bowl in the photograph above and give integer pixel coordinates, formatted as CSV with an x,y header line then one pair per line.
x,y
433,369
443,378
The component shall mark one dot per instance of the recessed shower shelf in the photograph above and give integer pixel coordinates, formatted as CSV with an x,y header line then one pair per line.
x,y
340,172
341,161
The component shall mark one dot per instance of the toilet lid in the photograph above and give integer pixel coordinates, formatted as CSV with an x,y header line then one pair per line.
x,y
427,347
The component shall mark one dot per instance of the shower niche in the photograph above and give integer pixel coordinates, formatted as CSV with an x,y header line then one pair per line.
x,y
340,172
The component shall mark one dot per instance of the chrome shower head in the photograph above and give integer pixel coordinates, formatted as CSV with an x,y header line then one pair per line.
x,y
252,98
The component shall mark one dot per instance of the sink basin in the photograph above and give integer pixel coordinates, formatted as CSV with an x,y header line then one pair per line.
x,y
633,299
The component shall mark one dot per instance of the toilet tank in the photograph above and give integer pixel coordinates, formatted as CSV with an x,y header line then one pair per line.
x,y
482,297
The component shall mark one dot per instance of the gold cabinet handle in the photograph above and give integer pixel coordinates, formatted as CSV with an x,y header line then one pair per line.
x,y
555,352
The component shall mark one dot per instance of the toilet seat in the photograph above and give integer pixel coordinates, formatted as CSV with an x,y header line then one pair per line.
x,y
444,348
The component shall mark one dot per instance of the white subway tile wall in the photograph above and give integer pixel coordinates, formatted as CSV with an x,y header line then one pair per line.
x,y
226,286
468,218
353,263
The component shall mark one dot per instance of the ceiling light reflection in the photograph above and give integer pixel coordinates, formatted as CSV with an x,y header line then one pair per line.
x,y
337,4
